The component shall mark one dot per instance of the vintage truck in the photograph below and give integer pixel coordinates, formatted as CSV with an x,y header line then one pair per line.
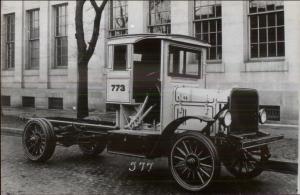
x,y
163,109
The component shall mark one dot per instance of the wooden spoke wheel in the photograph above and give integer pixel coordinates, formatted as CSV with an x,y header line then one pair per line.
x,y
246,163
38,140
194,161
92,149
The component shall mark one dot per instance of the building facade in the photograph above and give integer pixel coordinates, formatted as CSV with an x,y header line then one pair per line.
x,y
255,44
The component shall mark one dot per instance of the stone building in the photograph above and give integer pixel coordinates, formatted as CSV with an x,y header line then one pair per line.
x,y
254,44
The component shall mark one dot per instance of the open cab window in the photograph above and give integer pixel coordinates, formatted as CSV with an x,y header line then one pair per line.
x,y
184,62
120,57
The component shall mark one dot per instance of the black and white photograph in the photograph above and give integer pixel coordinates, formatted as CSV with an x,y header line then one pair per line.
x,y
149,97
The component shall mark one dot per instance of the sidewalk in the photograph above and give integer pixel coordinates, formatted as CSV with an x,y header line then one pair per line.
x,y
13,119
32,112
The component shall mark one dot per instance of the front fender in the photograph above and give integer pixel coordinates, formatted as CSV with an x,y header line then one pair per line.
x,y
166,138
171,127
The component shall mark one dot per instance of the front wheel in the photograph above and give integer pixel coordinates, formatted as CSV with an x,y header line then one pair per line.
x,y
246,163
194,161
92,149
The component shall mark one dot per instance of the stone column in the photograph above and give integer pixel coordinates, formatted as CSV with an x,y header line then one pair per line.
x,y
72,44
234,43
44,43
19,44
137,16
292,38
182,17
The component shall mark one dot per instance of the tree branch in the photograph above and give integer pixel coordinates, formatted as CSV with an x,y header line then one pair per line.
x,y
96,29
79,27
94,4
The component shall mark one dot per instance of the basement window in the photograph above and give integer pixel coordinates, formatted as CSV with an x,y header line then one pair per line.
x,y
28,102
273,112
55,103
5,100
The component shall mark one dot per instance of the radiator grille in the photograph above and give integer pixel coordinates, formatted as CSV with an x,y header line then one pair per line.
x,y
244,110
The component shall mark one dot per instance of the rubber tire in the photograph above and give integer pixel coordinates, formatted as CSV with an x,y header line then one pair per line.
x,y
256,172
50,140
210,146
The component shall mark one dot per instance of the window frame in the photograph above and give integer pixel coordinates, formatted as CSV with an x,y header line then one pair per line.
x,y
151,26
267,42
5,100
186,49
31,40
215,19
58,37
113,57
9,44
111,29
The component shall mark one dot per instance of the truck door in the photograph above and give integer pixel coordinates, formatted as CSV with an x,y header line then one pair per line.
x,y
183,67
119,82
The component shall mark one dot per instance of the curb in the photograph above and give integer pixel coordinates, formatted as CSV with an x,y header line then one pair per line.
x,y
294,127
11,131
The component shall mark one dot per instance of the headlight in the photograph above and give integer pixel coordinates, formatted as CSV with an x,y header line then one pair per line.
x,y
225,118
262,116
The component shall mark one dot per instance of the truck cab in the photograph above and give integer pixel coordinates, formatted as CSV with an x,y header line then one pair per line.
x,y
145,69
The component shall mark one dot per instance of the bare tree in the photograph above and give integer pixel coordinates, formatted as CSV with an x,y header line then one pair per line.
x,y
85,52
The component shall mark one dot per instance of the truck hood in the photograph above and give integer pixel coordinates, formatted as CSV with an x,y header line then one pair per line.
x,y
192,94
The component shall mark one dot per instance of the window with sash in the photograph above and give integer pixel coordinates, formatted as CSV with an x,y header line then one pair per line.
x,y
10,41
208,26
33,39
266,25
159,16
61,38
118,20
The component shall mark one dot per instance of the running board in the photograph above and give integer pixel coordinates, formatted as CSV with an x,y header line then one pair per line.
x,y
281,166
255,140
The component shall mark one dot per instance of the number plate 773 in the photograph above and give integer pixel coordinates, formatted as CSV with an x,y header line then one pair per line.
x,y
118,88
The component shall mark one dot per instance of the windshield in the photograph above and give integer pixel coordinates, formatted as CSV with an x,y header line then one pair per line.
x,y
184,62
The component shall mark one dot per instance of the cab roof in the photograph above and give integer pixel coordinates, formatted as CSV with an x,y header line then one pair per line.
x,y
134,38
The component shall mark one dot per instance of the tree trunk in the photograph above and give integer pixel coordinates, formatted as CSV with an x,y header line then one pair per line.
x,y
85,53
82,90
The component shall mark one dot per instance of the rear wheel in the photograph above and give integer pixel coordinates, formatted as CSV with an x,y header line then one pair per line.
x,y
246,163
38,140
92,149
194,161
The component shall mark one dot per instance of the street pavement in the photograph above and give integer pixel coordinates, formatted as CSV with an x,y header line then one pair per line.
x,y
69,172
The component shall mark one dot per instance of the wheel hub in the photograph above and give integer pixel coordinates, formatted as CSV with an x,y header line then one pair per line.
x,y
192,161
35,139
